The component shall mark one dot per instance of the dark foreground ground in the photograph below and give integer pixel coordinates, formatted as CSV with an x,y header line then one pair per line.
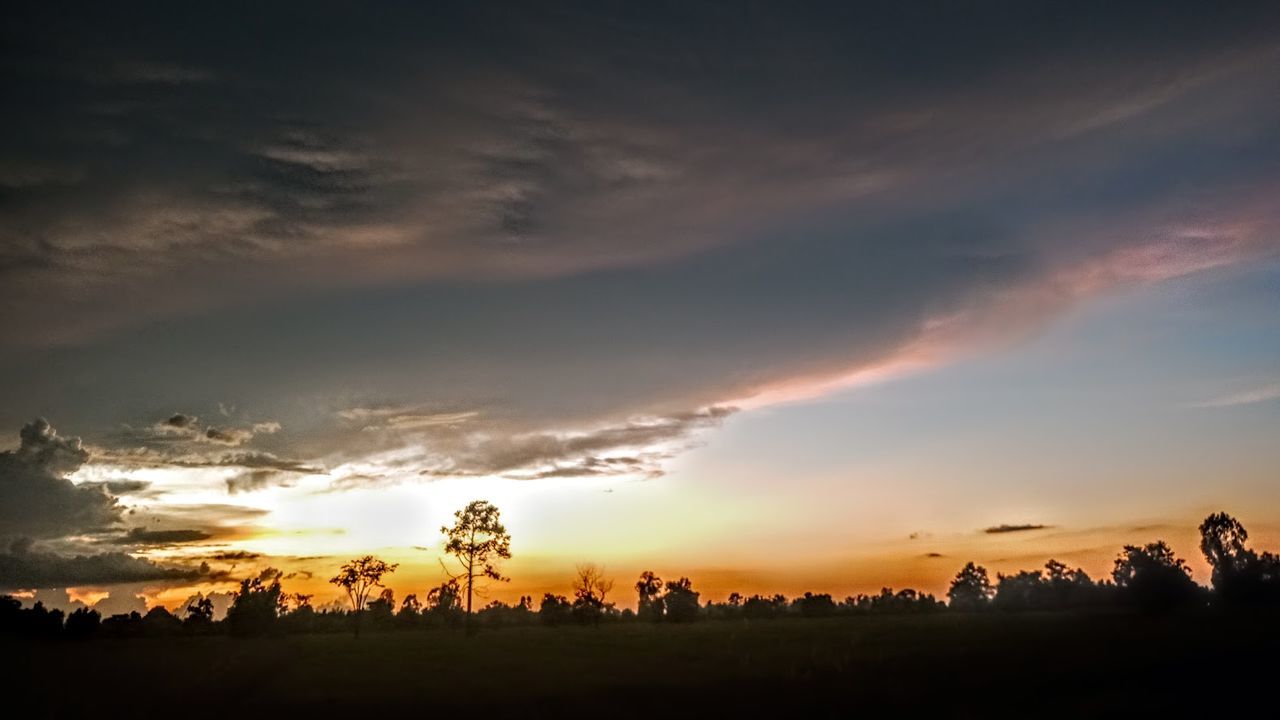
x,y
1029,666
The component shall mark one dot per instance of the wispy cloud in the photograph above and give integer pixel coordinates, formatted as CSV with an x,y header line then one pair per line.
x,y
1265,393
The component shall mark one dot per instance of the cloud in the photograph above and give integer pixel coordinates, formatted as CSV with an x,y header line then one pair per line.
x,y
179,421
184,427
234,556
142,536
36,498
23,568
257,480
601,451
149,457
1266,393
531,164
218,521
122,601
126,487
228,436
524,256
1006,528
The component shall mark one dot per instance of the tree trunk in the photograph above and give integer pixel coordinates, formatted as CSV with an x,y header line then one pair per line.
x,y
471,625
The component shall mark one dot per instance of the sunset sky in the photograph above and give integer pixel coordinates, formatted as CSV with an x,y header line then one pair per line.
x,y
779,298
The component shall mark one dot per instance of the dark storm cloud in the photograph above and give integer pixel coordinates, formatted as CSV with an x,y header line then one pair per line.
x,y
256,480
36,498
22,568
181,427
234,556
1006,528
148,457
561,219
142,536
126,487
181,421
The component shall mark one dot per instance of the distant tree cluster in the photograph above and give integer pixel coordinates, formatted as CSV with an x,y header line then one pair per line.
x,y
1148,578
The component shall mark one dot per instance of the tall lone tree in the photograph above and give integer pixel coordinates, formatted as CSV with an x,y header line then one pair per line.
x,y
477,540
360,577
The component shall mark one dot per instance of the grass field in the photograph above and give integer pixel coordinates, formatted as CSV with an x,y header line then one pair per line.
x,y
951,665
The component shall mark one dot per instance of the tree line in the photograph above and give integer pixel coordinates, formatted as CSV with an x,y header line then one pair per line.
x,y
1147,578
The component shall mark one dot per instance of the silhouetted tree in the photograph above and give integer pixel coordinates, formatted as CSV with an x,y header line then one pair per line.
x,y
444,603
1240,576
199,614
256,607
10,614
43,622
1057,587
649,590
971,589
160,622
83,623
759,607
301,618
123,625
810,605
477,540
887,601
680,600
410,613
1153,578
410,605
555,609
382,610
359,578
590,593
498,613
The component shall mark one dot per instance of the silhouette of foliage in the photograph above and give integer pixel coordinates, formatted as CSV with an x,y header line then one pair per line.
x,y
256,607
649,592
477,540
1240,576
1153,578
888,602
83,623
499,614
444,603
555,609
760,607
199,613
1057,587
158,621
123,625
359,578
812,605
971,589
680,600
590,593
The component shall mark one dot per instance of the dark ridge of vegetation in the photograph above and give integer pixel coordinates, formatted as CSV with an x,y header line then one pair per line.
x,y
1149,579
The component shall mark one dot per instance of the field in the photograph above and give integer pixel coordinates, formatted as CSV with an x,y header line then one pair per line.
x,y
960,666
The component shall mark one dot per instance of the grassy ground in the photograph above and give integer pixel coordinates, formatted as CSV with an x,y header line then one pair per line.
x,y
961,666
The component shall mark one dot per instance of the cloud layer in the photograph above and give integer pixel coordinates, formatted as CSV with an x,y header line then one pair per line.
x,y
546,243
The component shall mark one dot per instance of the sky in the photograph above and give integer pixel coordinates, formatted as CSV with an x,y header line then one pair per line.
x,y
779,297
